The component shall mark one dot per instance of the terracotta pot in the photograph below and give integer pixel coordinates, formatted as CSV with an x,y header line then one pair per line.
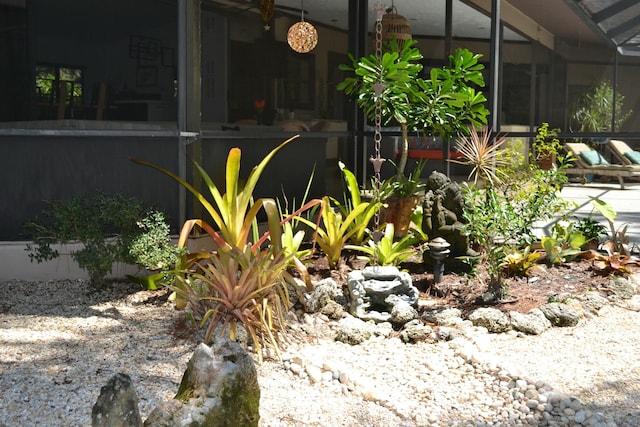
x,y
398,212
546,161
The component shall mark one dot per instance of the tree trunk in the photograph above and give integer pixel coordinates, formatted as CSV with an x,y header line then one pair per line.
x,y
402,164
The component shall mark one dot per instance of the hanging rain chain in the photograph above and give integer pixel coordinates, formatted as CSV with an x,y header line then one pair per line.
x,y
378,88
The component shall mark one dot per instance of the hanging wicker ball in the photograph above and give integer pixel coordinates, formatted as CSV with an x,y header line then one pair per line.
x,y
302,37
397,27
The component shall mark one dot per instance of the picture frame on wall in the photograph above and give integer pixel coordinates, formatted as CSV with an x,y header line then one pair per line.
x,y
147,76
144,48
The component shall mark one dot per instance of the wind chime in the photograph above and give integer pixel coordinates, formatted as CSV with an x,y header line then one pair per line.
x,y
266,12
378,88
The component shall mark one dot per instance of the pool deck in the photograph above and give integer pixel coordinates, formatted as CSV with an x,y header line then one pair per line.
x,y
626,204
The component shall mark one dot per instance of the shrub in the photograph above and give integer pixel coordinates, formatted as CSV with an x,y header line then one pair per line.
x,y
152,247
105,226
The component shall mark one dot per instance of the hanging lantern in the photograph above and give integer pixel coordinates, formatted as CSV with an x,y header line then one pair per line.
x,y
302,36
396,27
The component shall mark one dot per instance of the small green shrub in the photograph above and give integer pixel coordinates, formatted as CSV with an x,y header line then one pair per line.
x,y
152,247
106,226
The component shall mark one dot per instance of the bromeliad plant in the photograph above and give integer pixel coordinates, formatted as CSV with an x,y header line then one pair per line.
x,y
235,286
387,251
334,230
564,244
239,282
361,222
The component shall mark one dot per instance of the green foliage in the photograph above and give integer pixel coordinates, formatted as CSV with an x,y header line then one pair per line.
x,y
564,244
546,142
361,222
488,224
335,230
618,234
240,286
532,194
590,228
153,249
443,105
593,111
403,185
387,251
521,262
292,233
104,225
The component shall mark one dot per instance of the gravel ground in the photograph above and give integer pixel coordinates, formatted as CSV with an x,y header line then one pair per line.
x,y
60,343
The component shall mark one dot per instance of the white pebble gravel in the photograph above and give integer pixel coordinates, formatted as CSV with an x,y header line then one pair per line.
x,y
59,344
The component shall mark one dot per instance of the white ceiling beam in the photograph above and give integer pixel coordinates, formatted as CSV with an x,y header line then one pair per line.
x,y
518,21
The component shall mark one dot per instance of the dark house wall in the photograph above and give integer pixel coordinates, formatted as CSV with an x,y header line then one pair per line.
x,y
38,169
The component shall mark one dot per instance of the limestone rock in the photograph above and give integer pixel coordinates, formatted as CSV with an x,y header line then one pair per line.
x,y
491,318
592,302
219,388
622,288
534,322
353,331
443,316
117,405
415,331
324,291
560,314
402,313
333,310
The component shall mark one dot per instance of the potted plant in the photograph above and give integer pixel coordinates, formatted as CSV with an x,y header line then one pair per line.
x,y
546,146
401,194
593,111
442,105
592,230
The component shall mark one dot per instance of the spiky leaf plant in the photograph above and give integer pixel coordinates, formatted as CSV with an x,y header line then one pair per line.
x,y
482,151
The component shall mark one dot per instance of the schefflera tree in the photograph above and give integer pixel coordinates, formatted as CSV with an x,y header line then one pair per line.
x,y
443,104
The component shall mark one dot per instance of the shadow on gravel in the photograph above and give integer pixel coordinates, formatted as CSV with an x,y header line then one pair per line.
x,y
69,298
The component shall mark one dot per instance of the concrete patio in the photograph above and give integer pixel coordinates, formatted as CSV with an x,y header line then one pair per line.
x,y
625,202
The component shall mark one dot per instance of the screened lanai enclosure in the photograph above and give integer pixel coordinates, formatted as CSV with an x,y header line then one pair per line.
x,y
88,84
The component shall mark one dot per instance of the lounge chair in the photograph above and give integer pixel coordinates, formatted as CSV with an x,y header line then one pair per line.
x,y
590,161
623,153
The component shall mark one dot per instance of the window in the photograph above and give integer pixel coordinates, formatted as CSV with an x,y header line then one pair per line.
x,y
49,79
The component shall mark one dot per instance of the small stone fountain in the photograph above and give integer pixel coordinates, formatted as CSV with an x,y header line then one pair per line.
x,y
376,290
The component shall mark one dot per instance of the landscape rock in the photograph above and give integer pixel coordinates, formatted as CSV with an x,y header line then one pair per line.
x,y
443,316
323,292
117,405
333,310
491,318
352,330
219,387
560,314
592,302
534,322
402,313
622,288
415,331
